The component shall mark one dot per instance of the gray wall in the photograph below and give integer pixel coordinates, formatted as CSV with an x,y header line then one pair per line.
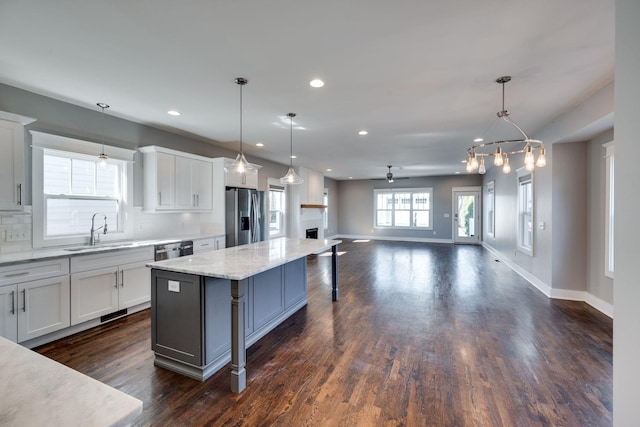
x,y
355,205
65,119
626,349
569,239
598,284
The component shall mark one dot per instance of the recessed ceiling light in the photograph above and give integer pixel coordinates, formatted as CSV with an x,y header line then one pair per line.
x,y
478,140
173,113
458,173
329,170
363,132
259,144
316,83
350,177
294,156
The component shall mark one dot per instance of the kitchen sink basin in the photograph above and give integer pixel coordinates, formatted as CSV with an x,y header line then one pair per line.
x,y
105,246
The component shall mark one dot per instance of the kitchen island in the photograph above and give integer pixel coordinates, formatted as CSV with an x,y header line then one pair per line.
x,y
207,308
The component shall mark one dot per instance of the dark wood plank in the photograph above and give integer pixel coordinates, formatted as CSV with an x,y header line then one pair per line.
x,y
423,335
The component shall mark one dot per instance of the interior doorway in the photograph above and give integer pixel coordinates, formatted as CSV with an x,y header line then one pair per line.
x,y
467,215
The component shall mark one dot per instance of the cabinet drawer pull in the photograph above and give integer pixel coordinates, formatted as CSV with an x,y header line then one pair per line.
x,y
19,194
24,300
13,302
22,273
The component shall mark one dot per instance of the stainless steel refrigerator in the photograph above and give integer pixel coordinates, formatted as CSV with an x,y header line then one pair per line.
x,y
245,216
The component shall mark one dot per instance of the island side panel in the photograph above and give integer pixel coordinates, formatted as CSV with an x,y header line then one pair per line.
x,y
176,316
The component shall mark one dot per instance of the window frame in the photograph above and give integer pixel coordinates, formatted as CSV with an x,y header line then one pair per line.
x,y
274,184
525,177
491,209
609,212
43,143
393,191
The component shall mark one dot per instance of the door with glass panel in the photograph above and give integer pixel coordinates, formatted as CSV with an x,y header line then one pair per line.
x,y
466,217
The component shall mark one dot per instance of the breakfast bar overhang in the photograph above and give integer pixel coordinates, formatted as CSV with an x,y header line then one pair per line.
x,y
247,290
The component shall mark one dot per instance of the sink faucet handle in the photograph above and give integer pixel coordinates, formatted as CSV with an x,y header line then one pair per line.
x,y
105,225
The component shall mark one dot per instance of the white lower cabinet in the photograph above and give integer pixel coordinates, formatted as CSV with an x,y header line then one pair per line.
x,y
105,284
9,312
34,299
43,307
209,244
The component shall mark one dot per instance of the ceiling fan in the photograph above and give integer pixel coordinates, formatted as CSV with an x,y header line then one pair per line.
x,y
389,178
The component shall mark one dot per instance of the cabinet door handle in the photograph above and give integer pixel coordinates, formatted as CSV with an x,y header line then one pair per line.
x,y
244,178
193,203
122,279
24,300
19,194
159,198
116,274
13,302
22,273
197,200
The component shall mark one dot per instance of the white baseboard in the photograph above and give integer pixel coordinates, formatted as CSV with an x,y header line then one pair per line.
x,y
564,294
395,239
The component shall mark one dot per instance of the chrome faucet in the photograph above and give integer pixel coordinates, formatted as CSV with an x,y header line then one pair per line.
x,y
92,239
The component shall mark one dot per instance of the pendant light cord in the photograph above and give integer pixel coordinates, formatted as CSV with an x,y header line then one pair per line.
x,y
240,119
290,141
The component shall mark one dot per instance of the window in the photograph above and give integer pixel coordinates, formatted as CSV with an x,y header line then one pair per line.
x,y
277,210
70,185
75,187
491,205
403,208
608,262
525,211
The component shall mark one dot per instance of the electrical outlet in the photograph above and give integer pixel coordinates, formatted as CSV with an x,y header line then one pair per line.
x,y
16,236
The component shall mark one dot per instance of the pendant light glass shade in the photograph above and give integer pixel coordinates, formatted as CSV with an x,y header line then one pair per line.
x,y
291,177
240,165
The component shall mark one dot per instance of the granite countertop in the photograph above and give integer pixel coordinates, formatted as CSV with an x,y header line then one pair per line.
x,y
240,262
72,250
38,391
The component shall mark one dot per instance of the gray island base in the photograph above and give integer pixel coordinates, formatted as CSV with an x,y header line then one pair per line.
x,y
206,309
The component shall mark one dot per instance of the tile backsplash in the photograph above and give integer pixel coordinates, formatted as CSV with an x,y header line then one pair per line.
x,y
15,231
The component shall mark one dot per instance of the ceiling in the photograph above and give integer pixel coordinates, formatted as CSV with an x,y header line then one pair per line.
x,y
419,75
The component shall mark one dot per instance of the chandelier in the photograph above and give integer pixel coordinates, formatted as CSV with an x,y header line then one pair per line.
x,y
505,147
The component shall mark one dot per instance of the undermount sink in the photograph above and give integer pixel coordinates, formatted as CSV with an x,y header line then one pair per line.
x,y
99,246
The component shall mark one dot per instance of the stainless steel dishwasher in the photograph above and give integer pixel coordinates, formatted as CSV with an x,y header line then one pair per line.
x,y
173,250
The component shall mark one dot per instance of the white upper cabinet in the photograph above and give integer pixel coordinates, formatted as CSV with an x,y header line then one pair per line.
x,y
176,181
11,165
193,184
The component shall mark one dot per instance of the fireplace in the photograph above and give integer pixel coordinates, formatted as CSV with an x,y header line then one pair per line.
x,y
312,233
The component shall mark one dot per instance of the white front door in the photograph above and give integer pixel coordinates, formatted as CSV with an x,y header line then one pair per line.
x,y
466,217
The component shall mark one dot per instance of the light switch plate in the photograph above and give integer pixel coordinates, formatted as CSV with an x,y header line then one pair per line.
x,y
174,286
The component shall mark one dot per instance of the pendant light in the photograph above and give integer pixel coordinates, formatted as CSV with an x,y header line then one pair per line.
x,y
103,157
240,165
524,145
291,177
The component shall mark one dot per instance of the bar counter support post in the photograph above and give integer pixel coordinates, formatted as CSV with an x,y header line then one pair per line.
x,y
334,272
238,345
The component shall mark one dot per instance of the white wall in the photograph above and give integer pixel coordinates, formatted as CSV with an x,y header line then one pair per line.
x,y
626,328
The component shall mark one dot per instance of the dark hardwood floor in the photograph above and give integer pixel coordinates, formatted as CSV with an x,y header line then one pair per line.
x,y
423,335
